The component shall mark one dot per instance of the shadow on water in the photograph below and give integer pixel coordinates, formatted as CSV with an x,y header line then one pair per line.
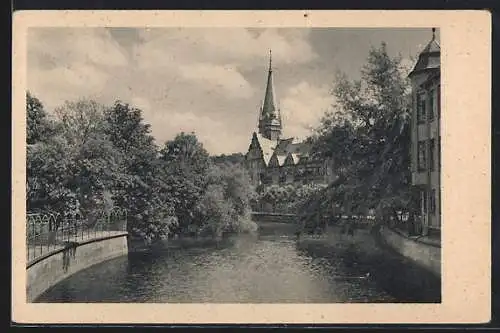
x,y
364,255
271,267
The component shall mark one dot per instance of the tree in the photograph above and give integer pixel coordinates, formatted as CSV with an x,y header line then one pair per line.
x,y
185,164
238,187
72,170
80,120
139,186
99,156
236,158
38,125
94,162
224,206
187,153
368,136
288,198
48,170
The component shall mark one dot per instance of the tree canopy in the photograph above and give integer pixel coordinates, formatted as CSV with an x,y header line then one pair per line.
x,y
91,157
367,135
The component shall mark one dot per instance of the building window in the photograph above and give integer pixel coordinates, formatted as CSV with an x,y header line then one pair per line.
x,y
432,151
431,105
283,177
423,202
432,207
421,107
422,156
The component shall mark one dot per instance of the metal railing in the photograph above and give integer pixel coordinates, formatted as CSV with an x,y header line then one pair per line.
x,y
50,231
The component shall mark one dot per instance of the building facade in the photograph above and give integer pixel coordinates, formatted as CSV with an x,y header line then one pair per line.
x,y
426,137
272,159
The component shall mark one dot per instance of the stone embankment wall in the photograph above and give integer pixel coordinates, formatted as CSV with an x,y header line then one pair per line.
x,y
56,266
426,255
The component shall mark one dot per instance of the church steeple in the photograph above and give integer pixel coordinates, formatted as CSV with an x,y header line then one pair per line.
x,y
270,117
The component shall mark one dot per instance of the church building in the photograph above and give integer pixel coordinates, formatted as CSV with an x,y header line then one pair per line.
x,y
273,159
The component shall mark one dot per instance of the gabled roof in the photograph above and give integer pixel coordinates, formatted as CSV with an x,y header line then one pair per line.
x,y
283,145
292,159
281,159
267,146
273,161
292,145
295,158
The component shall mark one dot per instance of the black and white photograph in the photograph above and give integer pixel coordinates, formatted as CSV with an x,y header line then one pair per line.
x,y
234,165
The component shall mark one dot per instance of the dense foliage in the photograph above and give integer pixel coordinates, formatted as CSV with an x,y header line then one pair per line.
x,y
85,157
367,135
225,205
236,158
287,198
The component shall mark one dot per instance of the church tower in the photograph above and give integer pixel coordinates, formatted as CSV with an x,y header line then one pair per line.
x,y
270,125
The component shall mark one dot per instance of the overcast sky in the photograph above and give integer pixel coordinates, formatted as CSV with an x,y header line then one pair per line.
x,y
210,81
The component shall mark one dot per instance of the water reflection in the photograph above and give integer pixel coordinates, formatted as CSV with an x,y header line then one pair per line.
x,y
265,269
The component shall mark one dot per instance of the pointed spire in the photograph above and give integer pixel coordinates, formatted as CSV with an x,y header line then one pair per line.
x,y
433,33
270,117
269,105
270,61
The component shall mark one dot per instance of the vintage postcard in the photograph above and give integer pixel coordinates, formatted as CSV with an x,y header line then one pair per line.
x,y
251,167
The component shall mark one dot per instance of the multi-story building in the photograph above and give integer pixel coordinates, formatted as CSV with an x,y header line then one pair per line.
x,y
425,136
272,159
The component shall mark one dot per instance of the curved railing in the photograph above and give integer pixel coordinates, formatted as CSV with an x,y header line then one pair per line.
x,y
49,231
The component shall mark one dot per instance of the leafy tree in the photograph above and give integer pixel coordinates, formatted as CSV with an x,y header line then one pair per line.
x,y
238,187
94,163
72,170
236,158
288,198
139,186
225,204
80,121
95,157
214,210
185,152
368,136
49,177
39,126
185,163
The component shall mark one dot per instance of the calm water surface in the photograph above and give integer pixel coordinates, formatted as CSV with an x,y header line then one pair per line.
x,y
270,269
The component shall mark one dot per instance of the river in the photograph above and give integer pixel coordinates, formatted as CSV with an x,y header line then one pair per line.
x,y
269,268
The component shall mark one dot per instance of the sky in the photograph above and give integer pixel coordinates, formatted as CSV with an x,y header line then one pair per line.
x,y
209,81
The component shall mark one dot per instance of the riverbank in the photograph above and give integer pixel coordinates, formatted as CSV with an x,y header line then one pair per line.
x,y
52,268
424,251
365,254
